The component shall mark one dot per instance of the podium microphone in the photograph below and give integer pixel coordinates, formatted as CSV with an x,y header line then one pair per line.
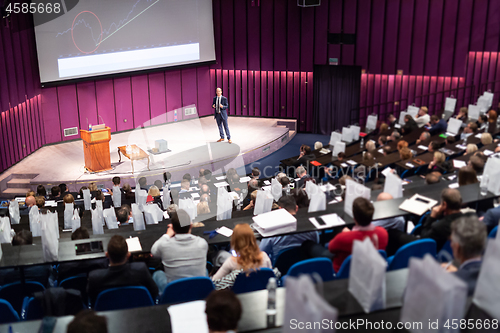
x,y
101,118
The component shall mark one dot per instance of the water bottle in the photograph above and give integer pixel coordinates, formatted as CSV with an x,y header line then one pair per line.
x,y
483,186
271,302
90,127
362,143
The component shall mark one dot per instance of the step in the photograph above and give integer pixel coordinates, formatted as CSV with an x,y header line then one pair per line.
x,y
14,192
18,183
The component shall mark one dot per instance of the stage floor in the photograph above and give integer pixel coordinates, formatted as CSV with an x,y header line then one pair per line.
x,y
192,145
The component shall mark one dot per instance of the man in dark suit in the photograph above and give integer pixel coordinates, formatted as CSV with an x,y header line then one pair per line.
x,y
468,240
120,272
221,106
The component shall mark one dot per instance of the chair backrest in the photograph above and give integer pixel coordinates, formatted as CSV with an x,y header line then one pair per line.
x,y
417,249
78,282
493,232
7,313
446,253
256,280
345,268
287,257
322,266
15,292
32,309
123,298
187,290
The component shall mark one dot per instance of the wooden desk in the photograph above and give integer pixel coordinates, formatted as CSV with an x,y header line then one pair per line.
x,y
136,154
96,149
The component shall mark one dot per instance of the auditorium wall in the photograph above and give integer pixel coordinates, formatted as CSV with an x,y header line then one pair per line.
x,y
266,50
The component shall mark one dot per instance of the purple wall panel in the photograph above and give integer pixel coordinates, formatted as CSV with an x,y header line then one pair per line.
x,y
283,102
263,93
391,37
11,151
10,68
244,93
69,109
250,94
87,104
377,36
277,95
419,37
321,34
270,93
29,90
477,72
349,26
225,82
4,91
309,87
306,39
293,37
335,26
174,97
217,34
390,94
123,104
189,90
462,37
363,90
492,27
301,126
296,95
280,29
23,129
239,103
140,100
227,41
492,70
18,63
51,121
411,89
213,84
30,133
484,69
257,93
369,94
434,37
254,36
240,35
267,40
363,34
158,103
404,46
4,145
289,94
232,93
450,14
383,93
479,19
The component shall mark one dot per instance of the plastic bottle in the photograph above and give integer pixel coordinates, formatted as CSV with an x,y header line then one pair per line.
x,y
362,143
271,302
90,127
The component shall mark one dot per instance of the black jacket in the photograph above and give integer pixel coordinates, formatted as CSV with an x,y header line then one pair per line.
x,y
127,275
439,230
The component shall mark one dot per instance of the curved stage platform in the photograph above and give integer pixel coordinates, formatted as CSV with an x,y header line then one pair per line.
x,y
192,144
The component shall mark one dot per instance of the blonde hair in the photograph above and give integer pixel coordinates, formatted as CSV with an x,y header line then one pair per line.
x,y
439,157
68,198
370,146
245,245
30,193
202,207
154,191
253,196
486,138
425,109
471,148
405,153
92,187
318,145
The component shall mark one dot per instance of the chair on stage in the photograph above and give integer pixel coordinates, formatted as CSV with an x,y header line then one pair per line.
x,y
187,290
415,249
256,280
123,298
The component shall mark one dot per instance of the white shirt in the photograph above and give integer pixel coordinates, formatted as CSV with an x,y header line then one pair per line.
x,y
422,120
218,104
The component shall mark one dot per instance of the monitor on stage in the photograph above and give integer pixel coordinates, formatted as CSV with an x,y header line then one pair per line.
x,y
90,38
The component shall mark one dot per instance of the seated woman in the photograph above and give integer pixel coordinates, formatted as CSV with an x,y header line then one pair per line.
x,y
248,255
436,162
466,176
471,149
402,144
154,196
463,115
486,139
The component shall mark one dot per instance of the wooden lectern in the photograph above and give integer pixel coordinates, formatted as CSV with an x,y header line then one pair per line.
x,y
96,149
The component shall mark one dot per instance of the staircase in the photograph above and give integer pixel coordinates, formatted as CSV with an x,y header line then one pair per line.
x,y
16,185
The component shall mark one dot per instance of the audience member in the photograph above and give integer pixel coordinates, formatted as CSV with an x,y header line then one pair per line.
x,y
154,196
341,245
397,222
492,122
304,157
470,149
433,147
433,178
223,311
273,245
202,207
30,201
248,255
302,174
437,159
93,187
409,126
392,120
423,117
187,176
120,273
405,153
395,136
450,140
486,139
30,193
318,145
382,139
182,254
482,122
55,193
167,177
80,191
143,183
468,241
466,176
22,237
402,144
469,130
477,163
462,114
87,321
253,197
123,214
423,137
158,183
387,150
384,130
40,202
255,173
63,189
184,192
127,190
41,191
438,125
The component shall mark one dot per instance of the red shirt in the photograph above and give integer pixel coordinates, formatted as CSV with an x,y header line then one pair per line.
x,y
341,245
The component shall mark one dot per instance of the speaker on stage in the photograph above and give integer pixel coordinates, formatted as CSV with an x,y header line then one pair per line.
x,y
308,3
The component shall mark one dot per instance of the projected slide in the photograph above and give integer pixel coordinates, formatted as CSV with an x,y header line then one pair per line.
x,y
99,37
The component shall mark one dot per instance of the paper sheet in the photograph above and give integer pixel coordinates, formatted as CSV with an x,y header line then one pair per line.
x,y
133,244
175,185
245,179
487,152
331,220
221,184
267,182
224,231
220,177
188,317
422,147
459,164
409,165
351,162
454,185
386,171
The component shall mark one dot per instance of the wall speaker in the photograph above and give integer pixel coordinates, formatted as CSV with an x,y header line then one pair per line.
x,y
347,39
308,3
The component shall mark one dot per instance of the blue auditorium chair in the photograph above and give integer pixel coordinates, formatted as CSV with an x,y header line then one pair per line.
x,y
7,313
187,290
322,266
416,249
15,292
256,280
123,298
